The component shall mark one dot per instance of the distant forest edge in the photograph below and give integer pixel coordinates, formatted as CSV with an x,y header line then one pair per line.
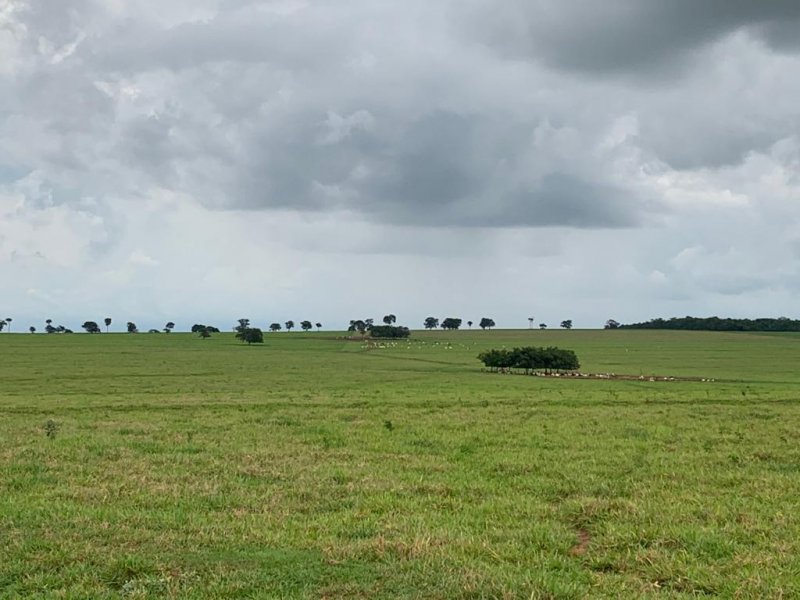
x,y
714,324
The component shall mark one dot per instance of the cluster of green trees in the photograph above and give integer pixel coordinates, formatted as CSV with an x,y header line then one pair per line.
x,y
714,324
530,359
289,325
454,323
200,327
387,330
254,335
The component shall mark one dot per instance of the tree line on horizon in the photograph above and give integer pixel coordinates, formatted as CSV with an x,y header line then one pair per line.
x,y
389,329
713,324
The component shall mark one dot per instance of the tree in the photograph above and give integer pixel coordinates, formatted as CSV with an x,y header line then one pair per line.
x,y
486,322
431,323
2,324
389,319
275,327
204,333
169,327
198,327
451,323
358,325
8,320
132,327
107,321
530,322
611,324
32,329
91,327
319,326
306,325
245,333
567,324
243,325
289,325
49,326
469,323
253,335
542,325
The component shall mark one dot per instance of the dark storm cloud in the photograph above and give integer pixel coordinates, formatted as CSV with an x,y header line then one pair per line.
x,y
443,169
642,37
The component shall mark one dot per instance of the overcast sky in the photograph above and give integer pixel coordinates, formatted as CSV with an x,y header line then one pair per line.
x,y
204,160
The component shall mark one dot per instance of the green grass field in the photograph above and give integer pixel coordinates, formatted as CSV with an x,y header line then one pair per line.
x,y
310,467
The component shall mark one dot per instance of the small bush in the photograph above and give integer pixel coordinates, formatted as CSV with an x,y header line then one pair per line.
x,y
389,331
50,428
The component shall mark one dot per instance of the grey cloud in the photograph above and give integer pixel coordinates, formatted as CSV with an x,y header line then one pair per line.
x,y
317,110
649,39
57,23
443,169
242,37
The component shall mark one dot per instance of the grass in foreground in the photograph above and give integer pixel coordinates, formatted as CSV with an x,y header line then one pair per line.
x,y
312,468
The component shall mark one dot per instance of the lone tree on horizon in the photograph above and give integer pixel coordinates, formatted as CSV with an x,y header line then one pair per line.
x,y
91,327
530,322
486,322
542,325
389,319
451,323
566,324
275,327
431,323
169,327
319,326
32,329
8,321
107,321
245,333
132,327
306,325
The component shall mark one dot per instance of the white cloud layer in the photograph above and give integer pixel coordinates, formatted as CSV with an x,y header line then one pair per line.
x,y
205,160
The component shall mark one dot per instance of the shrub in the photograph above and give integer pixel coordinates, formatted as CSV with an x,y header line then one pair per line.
x,y
389,331
531,358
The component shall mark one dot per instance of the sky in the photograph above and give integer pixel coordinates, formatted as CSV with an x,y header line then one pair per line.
x,y
206,160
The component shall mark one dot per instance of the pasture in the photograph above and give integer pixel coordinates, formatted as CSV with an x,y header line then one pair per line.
x,y
313,467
